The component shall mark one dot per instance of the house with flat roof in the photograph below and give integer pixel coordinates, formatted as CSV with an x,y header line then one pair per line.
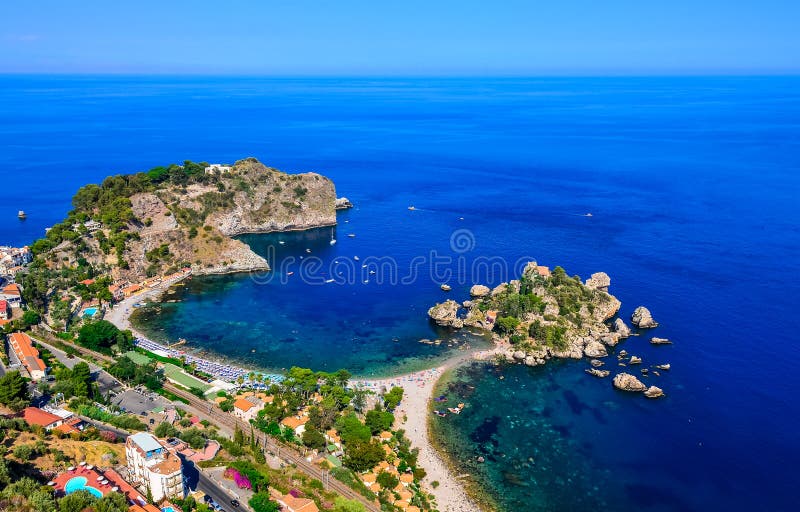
x,y
152,466
28,356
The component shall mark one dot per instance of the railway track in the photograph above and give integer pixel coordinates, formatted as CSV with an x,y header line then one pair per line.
x,y
281,450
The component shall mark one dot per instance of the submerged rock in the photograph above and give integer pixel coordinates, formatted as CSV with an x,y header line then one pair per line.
x,y
445,287
654,392
663,366
660,341
598,373
627,382
642,318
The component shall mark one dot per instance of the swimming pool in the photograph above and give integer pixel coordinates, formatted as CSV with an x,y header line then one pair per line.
x,y
78,483
167,509
90,312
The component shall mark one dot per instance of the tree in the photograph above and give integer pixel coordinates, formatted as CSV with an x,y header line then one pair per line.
x,y
165,429
30,317
81,379
362,456
352,430
344,505
379,420
14,391
76,501
314,439
111,502
506,324
387,480
260,502
393,398
102,335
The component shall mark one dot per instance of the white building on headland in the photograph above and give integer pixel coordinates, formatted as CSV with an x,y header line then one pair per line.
x,y
218,169
151,466
12,257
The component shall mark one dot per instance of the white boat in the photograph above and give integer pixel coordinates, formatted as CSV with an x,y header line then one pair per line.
x,y
281,242
356,258
412,208
308,251
333,241
329,281
22,215
352,235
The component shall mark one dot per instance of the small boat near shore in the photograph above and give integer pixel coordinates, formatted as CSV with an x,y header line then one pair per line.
x,y
21,215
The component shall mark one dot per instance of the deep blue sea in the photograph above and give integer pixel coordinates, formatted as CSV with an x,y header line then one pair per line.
x,y
693,184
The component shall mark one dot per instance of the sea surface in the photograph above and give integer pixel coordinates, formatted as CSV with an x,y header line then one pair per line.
x,y
693,186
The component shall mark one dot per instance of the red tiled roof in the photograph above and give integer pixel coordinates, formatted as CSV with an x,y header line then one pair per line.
x,y
3,305
23,346
12,289
36,416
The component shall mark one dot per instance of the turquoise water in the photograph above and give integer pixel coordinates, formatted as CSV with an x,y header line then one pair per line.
x,y
167,509
78,483
90,312
693,185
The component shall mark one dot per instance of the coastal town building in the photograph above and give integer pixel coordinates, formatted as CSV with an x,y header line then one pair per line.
x,y
289,503
12,293
58,420
153,467
296,423
247,407
218,169
22,346
13,259
5,310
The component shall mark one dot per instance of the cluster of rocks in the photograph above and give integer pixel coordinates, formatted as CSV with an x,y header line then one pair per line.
x,y
627,382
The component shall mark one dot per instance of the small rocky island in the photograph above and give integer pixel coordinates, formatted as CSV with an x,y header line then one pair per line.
x,y
548,314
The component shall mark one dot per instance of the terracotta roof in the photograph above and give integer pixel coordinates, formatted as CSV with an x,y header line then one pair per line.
x,y
543,271
23,346
385,436
407,478
36,416
12,289
243,405
299,504
3,305
70,426
368,477
87,282
293,421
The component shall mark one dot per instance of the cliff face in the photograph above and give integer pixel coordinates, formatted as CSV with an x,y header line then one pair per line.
x,y
196,222
175,225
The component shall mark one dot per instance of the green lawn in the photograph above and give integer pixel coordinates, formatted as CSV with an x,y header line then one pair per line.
x,y
138,358
175,374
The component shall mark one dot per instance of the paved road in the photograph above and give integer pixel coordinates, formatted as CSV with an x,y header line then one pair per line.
x,y
198,479
228,422
105,381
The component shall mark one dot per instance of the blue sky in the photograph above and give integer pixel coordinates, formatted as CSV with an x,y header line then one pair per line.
x,y
433,37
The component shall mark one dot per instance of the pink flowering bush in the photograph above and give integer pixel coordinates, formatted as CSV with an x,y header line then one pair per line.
x,y
239,479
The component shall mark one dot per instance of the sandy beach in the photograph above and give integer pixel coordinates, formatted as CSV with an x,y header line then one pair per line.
x,y
417,393
120,314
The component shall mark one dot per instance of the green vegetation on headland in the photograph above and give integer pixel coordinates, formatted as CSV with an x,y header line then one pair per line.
x,y
542,314
136,226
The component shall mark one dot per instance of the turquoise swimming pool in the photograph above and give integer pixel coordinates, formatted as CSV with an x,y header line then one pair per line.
x,y
78,483
168,509
90,312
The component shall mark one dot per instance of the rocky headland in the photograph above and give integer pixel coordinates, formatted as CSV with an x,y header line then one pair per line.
x,y
137,226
